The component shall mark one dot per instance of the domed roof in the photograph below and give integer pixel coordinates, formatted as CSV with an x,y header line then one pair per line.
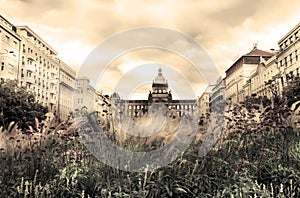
x,y
115,95
160,79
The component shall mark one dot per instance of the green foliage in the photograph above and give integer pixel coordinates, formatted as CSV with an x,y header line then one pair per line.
x,y
18,106
254,101
258,156
291,93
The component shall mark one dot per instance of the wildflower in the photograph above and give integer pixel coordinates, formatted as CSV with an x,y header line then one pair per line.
x,y
278,158
78,157
19,189
272,137
82,194
22,183
63,173
26,192
272,190
36,191
281,188
47,189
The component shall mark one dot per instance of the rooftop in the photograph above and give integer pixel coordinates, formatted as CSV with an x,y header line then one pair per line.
x,y
258,52
160,79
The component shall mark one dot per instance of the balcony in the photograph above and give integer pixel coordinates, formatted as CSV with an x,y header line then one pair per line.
x,y
53,71
52,101
30,80
30,67
52,90
53,81
31,56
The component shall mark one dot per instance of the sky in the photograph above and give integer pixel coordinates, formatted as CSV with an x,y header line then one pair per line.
x,y
225,30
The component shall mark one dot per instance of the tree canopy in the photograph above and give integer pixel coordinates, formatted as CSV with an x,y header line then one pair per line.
x,y
291,92
18,105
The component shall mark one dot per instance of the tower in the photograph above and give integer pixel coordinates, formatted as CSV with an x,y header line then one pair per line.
x,y
160,91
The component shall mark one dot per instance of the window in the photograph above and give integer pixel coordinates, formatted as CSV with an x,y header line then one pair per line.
x,y
285,61
2,66
6,39
291,59
291,39
296,55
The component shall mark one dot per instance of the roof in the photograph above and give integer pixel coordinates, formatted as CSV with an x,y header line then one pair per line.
x,y
289,33
32,33
160,79
257,52
254,52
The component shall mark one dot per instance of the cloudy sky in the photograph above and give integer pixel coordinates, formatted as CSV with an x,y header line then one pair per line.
x,y
224,30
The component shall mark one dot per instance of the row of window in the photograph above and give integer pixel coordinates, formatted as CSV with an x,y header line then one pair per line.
x,y
290,40
138,107
288,60
6,39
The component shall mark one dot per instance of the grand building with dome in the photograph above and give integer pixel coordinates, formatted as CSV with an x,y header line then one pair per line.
x,y
160,94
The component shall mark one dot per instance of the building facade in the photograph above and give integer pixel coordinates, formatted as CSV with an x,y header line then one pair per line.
x,y
217,96
38,68
288,56
238,75
27,58
265,73
160,94
66,90
203,102
84,96
9,50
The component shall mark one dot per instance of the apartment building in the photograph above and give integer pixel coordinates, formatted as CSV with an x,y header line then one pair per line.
x,y
26,57
84,95
217,96
288,55
266,72
66,89
38,68
279,69
203,103
239,73
9,50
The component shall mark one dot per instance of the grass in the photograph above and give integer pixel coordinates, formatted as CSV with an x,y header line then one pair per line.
x,y
257,156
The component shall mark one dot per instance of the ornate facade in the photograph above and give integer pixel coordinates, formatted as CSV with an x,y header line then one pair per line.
x,y
160,94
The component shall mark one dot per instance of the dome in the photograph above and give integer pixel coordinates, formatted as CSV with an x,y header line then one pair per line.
x,y
115,96
160,79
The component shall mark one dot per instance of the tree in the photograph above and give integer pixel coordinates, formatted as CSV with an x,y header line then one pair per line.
x,y
19,106
252,102
291,92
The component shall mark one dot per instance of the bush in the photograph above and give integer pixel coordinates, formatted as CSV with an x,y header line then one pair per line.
x,y
19,106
